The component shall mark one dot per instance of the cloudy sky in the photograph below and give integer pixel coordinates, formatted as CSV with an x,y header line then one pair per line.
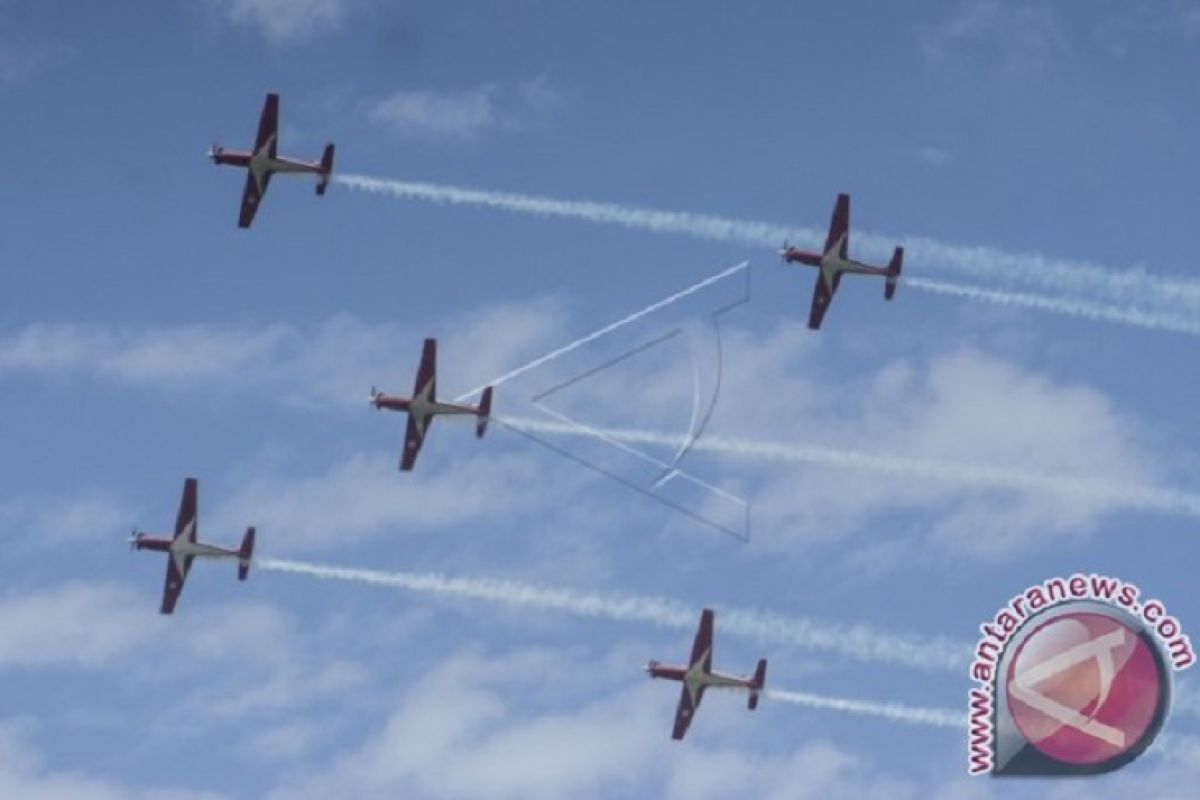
x,y
1024,408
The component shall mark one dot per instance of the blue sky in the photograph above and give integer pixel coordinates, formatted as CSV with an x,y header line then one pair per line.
x,y
144,338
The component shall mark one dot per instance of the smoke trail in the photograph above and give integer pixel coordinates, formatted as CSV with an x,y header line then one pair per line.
x,y
1078,277
937,717
860,642
1157,320
607,329
1169,501
737,231
1179,294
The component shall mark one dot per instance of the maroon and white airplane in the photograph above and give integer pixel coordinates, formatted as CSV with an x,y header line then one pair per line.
x,y
833,263
423,406
183,548
263,162
698,676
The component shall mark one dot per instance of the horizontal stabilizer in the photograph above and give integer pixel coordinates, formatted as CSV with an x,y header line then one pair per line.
x,y
485,412
326,169
757,683
889,290
245,554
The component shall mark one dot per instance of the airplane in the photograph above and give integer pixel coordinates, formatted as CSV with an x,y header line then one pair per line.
x,y
423,406
183,548
698,676
263,162
833,263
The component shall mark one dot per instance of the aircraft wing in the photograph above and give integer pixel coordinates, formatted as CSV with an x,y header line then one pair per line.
x,y
174,583
839,225
414,437
268,125
820,303
702,646
685,712
427,371
185,521
251,196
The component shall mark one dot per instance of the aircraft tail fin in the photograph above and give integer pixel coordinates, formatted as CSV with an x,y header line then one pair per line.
x,y
889,290
757,683
245,553
484,413
326,169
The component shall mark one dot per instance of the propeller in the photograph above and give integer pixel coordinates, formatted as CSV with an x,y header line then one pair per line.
x,y
374,395
783,251
135,536
214,151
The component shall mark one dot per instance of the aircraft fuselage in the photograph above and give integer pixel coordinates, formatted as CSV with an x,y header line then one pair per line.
x,y
181,547
420,406
831,264
696,678
262,163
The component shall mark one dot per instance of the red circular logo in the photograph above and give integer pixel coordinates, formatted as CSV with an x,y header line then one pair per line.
x,y
1083,688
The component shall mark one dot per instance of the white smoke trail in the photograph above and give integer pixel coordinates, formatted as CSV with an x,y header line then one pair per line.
x,y
1156,320
860,642
737,231
1178,294
1169,501
937,717
607,329
1078,277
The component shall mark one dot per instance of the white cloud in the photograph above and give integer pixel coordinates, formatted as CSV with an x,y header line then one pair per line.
x,y
24,775
463,114
365,496
285,742
456,733
246,670
72,624
285,689
935,156
285,21
255,661
961,407
812,771
334,363
172,356
488,725
1170,770
19,64
1023,38
259,664
467,115
47,520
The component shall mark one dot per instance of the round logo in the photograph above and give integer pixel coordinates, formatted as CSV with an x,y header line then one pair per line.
x,y
1086,688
